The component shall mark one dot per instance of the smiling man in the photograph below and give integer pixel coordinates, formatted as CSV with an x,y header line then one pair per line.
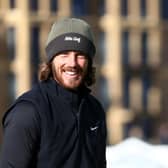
x,y
58,123
69,69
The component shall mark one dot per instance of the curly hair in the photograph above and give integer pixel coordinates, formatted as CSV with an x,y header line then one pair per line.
x,y
45,72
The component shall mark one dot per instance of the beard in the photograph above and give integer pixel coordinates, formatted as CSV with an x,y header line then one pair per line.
x,y
70,77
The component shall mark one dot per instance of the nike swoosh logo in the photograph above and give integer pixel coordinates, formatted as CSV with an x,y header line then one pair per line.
x,y
94,128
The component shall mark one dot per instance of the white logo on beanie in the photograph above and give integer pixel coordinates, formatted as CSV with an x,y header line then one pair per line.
x,y
69,38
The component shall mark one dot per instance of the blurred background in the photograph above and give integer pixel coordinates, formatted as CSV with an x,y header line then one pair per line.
x,y
131,60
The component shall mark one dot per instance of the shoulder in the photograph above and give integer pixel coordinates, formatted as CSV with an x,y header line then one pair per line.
x,y
94,101
33,94
24,107
97,107
22,115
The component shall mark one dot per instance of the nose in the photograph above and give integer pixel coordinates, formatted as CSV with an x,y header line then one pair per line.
x,y
72,59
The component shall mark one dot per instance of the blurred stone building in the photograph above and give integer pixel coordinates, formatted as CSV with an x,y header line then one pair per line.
x,y
131,60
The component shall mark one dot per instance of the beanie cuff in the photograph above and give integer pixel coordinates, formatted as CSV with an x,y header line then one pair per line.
x,y
70,42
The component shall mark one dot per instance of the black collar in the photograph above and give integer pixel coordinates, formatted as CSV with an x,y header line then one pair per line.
x,y
72,96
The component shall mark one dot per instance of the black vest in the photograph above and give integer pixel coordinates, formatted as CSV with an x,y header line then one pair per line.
x,y
72,135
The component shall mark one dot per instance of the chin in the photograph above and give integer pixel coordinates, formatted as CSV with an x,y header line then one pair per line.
x,y
71,85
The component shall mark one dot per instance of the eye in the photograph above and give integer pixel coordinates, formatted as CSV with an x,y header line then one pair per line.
x,y
81,56
64,54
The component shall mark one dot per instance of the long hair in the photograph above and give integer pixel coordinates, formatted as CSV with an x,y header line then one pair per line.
x,y
45,72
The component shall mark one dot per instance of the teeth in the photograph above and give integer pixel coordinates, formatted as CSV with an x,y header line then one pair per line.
x,y
70,73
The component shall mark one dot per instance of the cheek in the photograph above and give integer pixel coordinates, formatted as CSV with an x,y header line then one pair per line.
x,y
83,64
55,69
56,65
85,67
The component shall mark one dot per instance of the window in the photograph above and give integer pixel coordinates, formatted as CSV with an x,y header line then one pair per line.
x,y
125,61
144,47
125,47
33,5
79,8
164,58
124,7
12,4
164,11
126,96
143,7
86,7
35,58
102,92
12,86
53,5
101,7
11,42
101,48
146,85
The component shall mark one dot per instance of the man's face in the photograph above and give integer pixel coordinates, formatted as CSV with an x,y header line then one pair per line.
x,y
69,69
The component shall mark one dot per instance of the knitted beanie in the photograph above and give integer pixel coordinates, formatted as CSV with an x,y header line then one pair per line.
x,y
70,34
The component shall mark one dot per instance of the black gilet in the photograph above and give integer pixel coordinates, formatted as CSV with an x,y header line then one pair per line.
x,y
72,127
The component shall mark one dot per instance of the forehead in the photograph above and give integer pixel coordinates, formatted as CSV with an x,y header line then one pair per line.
x,y
71,52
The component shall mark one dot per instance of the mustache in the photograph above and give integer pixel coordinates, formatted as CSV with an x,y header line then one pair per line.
x,y
76,68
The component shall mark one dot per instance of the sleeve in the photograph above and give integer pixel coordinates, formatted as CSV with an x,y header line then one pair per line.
x,y
102,148
21,135
102,141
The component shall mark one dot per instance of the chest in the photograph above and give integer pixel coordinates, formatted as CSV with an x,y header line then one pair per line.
x,y
70,135
63,124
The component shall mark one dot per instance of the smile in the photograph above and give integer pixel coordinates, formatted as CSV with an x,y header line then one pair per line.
x,y
71,73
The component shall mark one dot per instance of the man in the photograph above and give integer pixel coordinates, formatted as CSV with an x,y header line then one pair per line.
x,y
58,123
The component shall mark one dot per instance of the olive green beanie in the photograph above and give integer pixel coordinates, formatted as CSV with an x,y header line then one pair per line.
x,y
70,34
